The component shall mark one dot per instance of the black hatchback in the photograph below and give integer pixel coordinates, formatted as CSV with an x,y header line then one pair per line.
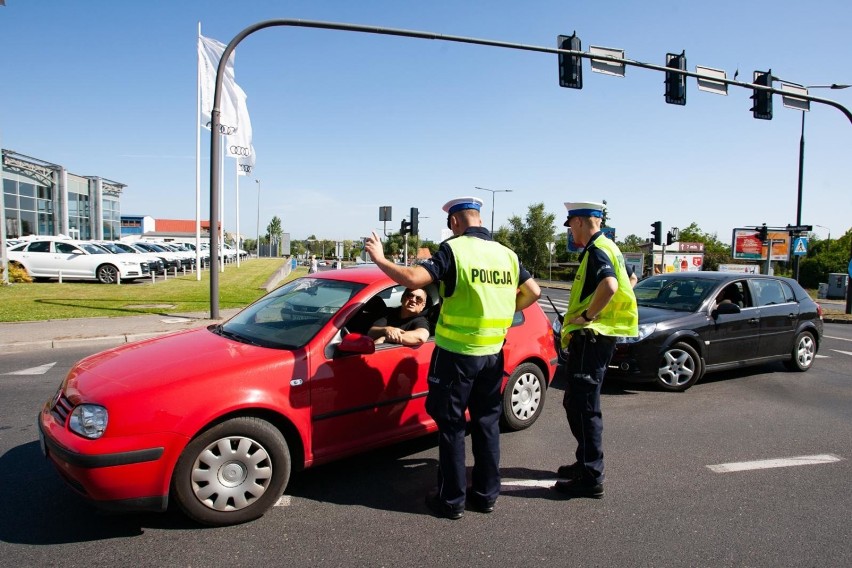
x,y
691,323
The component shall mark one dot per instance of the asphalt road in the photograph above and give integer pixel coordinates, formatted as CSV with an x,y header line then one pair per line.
x,y
664,506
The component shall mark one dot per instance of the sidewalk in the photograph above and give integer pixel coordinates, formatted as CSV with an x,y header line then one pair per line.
x,y
98,332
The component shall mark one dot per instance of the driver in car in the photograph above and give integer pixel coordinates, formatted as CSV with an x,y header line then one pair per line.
x,y
407,325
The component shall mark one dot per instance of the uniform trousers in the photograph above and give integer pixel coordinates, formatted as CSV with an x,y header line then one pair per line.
x,y
589,355
456,383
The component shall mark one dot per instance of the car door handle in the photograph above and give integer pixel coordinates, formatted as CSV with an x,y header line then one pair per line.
x,y
754,320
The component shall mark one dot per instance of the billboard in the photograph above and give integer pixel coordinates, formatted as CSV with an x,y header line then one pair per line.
x,y
679,262
637,261
746,245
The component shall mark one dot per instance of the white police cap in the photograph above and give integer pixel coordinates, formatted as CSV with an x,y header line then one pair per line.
x,y
461,204
584,209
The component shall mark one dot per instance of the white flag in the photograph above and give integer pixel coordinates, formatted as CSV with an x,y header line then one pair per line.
x,y
209,53
239,143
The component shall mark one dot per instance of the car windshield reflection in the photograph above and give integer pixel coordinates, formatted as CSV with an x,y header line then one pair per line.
x,y
682,294
291,315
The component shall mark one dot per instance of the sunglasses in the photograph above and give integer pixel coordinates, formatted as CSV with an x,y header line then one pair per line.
x,y
417,299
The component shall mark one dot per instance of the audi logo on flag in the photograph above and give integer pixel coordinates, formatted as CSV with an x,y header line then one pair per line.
x,y
223,129
239,151
244,168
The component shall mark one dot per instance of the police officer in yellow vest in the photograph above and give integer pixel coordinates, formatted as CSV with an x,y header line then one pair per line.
x,y
601,307
482,284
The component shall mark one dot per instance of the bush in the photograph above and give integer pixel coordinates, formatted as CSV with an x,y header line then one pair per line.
x,y
17,274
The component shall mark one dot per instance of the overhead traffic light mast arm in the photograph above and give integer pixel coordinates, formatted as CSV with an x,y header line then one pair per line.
x,y
215,123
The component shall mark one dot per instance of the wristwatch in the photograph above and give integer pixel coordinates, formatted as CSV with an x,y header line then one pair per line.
x,y
586,316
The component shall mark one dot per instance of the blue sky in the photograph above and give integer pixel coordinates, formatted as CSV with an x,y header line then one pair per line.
x,y
345,123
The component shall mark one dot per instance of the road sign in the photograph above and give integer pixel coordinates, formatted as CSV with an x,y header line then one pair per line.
x,y
800,246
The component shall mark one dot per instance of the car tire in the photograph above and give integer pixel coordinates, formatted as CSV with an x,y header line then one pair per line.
x,y
107,274
523,397
680,368
803,353
217,489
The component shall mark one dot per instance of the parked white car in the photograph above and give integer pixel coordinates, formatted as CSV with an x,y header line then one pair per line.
x,y
78,260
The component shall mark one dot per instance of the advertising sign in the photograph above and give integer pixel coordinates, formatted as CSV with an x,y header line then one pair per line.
x,y
680,262
740,268
746,245
637,261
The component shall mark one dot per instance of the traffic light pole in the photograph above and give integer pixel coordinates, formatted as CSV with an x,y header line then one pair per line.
x,y
216,111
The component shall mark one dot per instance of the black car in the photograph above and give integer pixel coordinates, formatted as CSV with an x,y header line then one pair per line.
x,y
691,323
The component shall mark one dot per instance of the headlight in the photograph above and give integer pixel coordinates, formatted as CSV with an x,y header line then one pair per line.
x,y
645,330
89,421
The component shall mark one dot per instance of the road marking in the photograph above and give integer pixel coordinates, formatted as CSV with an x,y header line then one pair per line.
x,y
844,352
283,501
528,482
823,356
840,338
779,462
40,370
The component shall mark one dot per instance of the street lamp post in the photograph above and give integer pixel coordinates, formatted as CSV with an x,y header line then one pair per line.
x,y
493,191
257,244
802,164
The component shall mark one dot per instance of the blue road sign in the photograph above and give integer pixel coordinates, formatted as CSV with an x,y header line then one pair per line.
x,y
800,246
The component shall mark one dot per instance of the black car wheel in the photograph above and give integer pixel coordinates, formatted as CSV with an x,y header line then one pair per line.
x,y
233,472
803,353
523,397
680,368
107,274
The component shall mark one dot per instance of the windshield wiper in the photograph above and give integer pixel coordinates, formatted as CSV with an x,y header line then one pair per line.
x,y
220,330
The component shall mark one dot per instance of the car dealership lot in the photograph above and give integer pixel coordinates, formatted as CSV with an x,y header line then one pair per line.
x,y
664,505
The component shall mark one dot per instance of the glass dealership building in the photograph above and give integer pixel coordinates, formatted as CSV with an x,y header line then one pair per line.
x,y
41,198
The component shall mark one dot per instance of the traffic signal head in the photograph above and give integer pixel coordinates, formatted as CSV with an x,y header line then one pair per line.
x,y
414,221
676,82
670,238
762,99
404,227
657,232
570,66
763,233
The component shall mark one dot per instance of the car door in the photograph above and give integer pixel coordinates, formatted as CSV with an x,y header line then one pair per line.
x,y
360,401
37,259
779,315
73,261
733,337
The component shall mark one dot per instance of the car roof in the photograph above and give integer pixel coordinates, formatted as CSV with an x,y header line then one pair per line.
x,y
717,276
366,275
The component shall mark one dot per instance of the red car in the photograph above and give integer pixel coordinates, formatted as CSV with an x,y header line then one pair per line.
x,y
217,417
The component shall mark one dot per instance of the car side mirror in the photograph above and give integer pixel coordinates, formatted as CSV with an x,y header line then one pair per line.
x,y
357,343
725,308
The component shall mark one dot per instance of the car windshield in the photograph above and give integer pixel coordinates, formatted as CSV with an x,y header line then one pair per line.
x,y
92,248
290,316
682,294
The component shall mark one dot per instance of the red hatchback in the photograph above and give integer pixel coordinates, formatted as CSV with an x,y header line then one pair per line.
x,y
216,418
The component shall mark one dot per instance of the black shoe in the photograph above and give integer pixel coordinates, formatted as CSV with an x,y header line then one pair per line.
x,y
441,508
479,505
579,488
569,471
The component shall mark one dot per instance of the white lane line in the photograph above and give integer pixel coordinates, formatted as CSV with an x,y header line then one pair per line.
x,y
40,370
840,338
283,501
823,356
779,462
844,352
528,482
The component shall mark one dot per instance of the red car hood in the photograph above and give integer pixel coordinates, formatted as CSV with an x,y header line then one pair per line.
x,y
198,356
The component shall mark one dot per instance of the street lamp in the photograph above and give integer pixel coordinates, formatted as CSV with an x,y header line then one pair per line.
x,y
802,162
257,244
493,191
828,240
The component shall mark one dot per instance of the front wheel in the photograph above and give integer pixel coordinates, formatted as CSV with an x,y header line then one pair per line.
x,y
232,473
680,368
803,352
107,274
523,397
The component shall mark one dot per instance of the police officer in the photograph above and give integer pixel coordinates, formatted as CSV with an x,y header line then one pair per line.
x,y
601,307
482,284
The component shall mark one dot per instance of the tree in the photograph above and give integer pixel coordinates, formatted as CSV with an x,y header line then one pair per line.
x,y
529,238
631,243
274,231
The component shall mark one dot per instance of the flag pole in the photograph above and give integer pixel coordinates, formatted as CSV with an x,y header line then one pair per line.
x,y
198,160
